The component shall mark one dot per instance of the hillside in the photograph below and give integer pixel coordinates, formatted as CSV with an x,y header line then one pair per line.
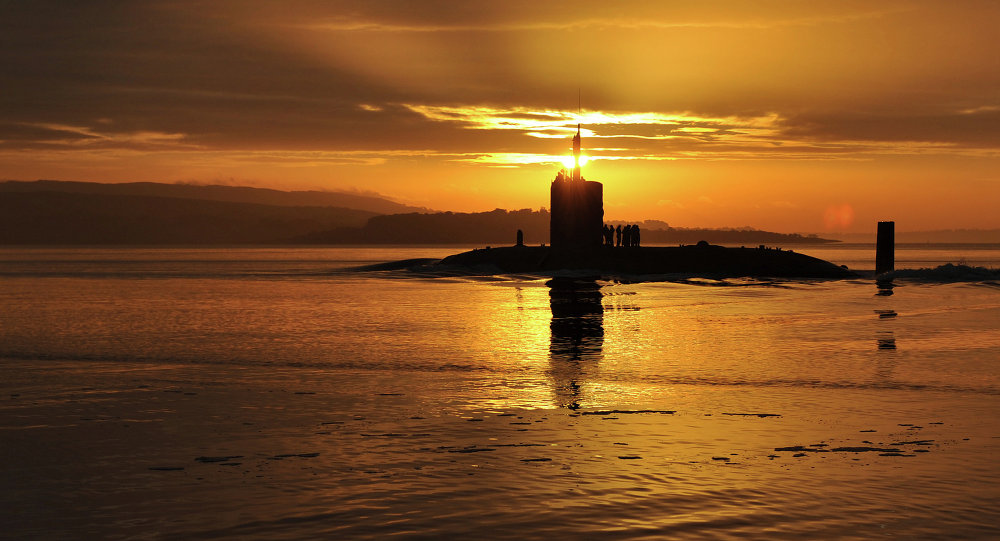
x,y
55,212
231,194
81,218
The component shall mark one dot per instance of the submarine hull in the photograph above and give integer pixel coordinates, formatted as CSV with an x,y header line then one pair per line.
x,y
694,260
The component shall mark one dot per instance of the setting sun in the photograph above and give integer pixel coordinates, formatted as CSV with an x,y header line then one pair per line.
x,y
569,163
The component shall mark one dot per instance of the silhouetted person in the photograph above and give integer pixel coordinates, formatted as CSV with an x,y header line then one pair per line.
x,y
520,237
627,236
618,235
635,236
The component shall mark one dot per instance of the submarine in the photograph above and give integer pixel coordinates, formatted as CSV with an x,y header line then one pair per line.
x,y
579,241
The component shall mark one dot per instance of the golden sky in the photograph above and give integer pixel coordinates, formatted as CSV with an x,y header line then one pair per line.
x,y
782,115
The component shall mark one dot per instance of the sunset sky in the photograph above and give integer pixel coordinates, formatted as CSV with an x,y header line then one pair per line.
x,y
787,116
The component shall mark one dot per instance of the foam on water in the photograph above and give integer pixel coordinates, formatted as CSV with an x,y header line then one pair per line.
x,y
947,273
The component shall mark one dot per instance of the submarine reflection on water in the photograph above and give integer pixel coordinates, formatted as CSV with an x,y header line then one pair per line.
x,y
577,338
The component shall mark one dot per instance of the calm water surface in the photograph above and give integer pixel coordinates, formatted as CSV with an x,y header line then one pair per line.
x,y
300,393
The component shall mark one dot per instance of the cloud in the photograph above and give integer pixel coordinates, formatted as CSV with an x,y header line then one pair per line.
x,y
560,23
669,204
83,136
585,15
974,127
659,136
496,85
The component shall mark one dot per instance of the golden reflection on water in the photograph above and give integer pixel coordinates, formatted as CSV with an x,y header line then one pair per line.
x,y
514,330
578,343
564,317
600,343
579,321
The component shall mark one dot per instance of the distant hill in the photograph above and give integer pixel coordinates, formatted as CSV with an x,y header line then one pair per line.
x,y
500,227
497,226
231,194
93,218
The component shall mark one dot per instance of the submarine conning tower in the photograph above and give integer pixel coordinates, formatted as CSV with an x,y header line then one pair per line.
x,y
576,207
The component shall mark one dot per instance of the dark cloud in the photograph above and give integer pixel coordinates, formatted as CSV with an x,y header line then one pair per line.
x,y
15,135
969,128
166,71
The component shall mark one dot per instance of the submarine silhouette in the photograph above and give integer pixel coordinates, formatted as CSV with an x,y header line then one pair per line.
x,y
579,240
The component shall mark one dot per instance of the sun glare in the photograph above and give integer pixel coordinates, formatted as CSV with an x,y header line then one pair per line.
x,y
568,162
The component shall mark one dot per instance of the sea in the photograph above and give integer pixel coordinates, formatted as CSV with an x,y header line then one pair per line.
x,y
359,392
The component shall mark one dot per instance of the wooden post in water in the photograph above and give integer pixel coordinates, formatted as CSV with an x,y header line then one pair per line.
x,y
885,247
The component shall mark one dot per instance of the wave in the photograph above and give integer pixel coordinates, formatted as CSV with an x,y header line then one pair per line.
x,y
524,372
402,264
427,268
